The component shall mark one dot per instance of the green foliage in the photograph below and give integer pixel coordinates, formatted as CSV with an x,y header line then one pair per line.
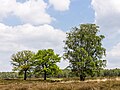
x,y
45,62
66,73
22,61
83,49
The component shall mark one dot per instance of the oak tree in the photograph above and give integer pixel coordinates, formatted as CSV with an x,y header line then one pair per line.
x,y
84,50
22,61
45,62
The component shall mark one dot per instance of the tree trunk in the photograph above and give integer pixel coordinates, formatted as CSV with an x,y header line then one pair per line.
x,y
45,74
82,78
25,75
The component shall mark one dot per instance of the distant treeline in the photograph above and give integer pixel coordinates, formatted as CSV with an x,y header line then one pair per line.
x,y
66,73
103,73
8,75
110,72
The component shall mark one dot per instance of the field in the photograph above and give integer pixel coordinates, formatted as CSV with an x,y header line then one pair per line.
x,y
37,84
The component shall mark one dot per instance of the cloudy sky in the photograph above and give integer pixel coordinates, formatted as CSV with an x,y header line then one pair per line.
x,y
40,24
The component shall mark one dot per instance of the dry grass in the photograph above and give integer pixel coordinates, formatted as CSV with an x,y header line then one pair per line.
x,y
41,85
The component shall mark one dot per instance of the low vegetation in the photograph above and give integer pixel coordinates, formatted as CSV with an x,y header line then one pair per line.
x,y
62,85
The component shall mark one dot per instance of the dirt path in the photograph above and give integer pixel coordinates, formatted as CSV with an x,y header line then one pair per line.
x,y
98,80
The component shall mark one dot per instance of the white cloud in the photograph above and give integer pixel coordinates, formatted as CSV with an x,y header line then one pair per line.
x,y
6,8
61,5
107,16
31,11
28,37
115,51
113,57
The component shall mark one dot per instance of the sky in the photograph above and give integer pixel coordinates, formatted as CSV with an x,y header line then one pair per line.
x,y
42,24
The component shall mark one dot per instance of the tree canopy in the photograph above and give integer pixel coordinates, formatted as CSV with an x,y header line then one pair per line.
x,y
84,50
45,62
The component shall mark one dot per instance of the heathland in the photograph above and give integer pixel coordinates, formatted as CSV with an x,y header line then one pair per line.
x,y
60,84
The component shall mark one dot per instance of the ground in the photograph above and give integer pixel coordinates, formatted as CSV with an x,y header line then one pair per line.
x,y
37,84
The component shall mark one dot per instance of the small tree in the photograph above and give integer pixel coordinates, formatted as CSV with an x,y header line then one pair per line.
x,y
21,61
45,62
83,49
